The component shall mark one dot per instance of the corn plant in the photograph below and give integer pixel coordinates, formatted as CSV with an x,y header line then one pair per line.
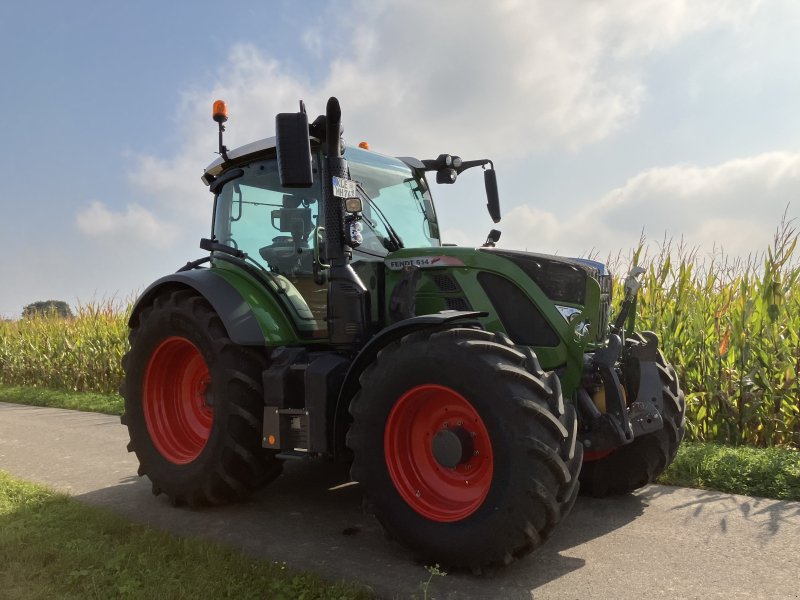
x,y
731,330
82,353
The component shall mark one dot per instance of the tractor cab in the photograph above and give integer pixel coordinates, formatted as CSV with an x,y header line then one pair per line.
x,y
281,229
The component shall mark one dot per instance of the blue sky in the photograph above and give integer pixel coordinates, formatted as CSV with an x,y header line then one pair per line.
x,y
605,119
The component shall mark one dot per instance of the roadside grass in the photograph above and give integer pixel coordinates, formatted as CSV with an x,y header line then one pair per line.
x,y
52,546
764,472
111,404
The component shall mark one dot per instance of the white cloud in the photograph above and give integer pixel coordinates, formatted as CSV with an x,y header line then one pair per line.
x,y
736,205
135,224
507,80
503,80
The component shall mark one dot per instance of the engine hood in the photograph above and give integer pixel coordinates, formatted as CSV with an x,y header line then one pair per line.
x,y
561,279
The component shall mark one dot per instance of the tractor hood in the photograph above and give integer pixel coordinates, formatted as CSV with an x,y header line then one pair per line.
x,y
561,279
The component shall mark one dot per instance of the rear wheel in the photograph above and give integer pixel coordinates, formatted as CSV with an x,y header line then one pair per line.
x,y
463,446
194,404
634,465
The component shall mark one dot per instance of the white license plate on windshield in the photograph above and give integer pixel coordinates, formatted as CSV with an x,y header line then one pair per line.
x,y
344,188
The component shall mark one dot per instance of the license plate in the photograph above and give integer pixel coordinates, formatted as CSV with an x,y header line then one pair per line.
x,y
344,188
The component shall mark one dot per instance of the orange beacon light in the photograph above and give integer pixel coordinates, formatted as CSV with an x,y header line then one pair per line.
x,y
220,111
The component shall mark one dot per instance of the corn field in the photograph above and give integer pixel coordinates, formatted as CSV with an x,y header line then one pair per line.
x,y
732,330
80,354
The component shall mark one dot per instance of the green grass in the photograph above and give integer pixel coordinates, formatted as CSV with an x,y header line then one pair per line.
x,y
111,404
767,472
54,547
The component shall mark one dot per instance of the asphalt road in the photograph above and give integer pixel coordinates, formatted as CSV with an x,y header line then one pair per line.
x,y
661,542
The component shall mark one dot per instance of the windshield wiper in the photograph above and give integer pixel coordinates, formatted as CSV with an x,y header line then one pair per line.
x,y
395,240
416,190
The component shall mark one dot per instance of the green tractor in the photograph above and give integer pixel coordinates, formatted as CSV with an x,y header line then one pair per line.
x,y
475,390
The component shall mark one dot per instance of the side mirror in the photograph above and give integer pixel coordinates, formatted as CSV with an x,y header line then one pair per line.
x,y
294,149
492,196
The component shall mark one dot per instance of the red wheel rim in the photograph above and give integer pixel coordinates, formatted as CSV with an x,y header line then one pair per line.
x,y
174,400
596,455
434,491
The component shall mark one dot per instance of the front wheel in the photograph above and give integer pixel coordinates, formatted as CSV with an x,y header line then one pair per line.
x,y
464,447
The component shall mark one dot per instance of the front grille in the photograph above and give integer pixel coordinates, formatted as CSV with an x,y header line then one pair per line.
x,y
606,285
606,291
605,314
520,317
559,279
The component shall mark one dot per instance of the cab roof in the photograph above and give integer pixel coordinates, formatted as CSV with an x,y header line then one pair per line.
x,y
215,168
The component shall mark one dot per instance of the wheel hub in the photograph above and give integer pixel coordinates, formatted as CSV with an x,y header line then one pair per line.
x,y
452,447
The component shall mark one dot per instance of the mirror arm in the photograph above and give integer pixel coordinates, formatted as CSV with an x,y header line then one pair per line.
x,y
468,164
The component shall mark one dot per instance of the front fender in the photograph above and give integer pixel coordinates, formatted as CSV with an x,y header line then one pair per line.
x,y
370,350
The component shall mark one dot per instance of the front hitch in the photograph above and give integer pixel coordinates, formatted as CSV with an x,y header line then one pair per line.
x,y
623,422
611,428
641,370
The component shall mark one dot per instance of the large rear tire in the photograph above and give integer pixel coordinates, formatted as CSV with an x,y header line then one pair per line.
x,y
464,448
194,404
634,465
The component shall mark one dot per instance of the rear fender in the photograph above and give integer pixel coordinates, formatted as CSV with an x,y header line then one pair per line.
x,y
238,317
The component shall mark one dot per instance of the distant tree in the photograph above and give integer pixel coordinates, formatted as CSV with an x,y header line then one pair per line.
x,y
47,307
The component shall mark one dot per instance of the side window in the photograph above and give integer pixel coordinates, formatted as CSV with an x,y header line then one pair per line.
x,y
275,226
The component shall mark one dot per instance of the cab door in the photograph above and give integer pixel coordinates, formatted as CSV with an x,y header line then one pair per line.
x,y
278,228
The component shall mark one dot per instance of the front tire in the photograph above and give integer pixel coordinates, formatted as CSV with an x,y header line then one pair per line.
x,y
634,465
194,404
464,447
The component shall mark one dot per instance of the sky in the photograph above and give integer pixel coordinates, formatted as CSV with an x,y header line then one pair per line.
x,y
606,120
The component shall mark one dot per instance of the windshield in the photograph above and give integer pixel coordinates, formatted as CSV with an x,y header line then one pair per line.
x,y
399,195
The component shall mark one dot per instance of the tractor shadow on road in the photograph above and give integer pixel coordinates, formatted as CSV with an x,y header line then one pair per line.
x,y
312,519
